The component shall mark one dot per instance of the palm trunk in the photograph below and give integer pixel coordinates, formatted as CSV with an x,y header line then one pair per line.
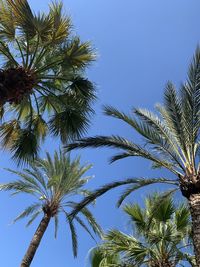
x,y
168,264
36,241
194,202
163,264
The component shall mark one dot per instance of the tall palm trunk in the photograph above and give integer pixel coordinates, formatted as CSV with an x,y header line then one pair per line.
x,y
194,202
36,240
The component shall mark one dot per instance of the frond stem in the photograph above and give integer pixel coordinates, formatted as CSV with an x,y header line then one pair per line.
x,y
8,54
20,50
27,51
35,53
36,102
53,106
48,66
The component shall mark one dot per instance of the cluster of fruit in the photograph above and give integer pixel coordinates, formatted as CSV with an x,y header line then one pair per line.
x,y
15,83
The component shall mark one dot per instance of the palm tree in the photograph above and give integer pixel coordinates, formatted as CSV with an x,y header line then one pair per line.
x,y
42,84
160,237
172,141
54,182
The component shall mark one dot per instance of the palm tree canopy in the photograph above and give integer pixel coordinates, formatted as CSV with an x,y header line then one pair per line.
x,y
171,135
42,83
54,183
160,235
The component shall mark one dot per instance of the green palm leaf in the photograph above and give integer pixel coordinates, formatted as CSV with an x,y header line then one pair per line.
x,y
139,182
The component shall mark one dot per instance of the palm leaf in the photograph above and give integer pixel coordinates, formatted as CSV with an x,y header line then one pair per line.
x,y
76,123
28,211
7,28
142,183
33,217
73,236
102,190
61,24
78,54
23,16
25,147
131,149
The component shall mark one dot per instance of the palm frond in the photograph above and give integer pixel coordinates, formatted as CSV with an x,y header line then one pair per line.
x,y
102,190
61,24
142,183
190,94
174,117
182,215
82,88
152,128
28,211
26,146
9,132
164,205
76,123
36,173
136,215
23,16
92,221
40,127
78,54
18,187
84,226
6,52
159,134
33,217
30,180
119,242
73,236
131,149
7,28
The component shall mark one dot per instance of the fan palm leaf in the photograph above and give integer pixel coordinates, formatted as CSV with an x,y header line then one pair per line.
x,y
156,239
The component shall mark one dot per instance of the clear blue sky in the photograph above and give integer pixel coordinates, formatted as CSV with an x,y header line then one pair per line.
x,y
141,45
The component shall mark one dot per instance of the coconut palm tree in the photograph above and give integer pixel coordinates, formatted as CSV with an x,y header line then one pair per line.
x,y
171,141
54,182
160,236
43,88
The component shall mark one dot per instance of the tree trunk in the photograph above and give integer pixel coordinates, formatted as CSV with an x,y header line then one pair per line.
x,y
36,241
163,264
194,202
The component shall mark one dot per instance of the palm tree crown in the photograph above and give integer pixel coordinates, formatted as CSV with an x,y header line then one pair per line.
x,y
54,182
160,237
42,83
171,135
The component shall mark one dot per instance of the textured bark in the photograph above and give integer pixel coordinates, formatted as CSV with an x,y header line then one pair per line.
x,y
194,202
36,241
163,264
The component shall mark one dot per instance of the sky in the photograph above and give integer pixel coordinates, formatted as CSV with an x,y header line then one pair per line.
x,y
141,44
